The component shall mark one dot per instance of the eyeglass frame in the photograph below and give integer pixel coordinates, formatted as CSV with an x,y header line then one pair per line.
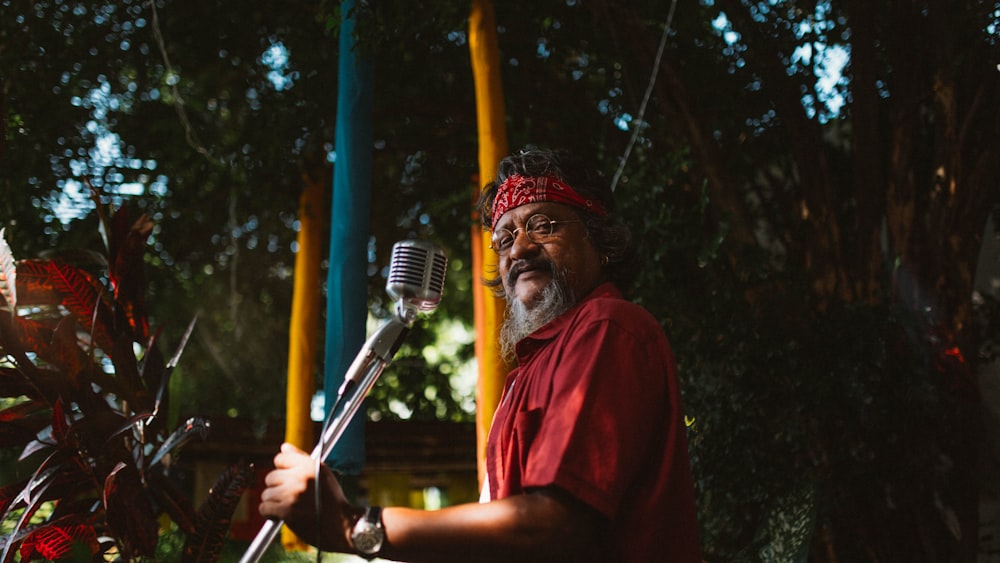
x,y
530,233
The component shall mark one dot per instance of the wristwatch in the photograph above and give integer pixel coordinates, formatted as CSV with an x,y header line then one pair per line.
x,y
368,535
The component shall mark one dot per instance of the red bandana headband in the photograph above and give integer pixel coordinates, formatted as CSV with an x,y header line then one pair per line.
x,y
518,190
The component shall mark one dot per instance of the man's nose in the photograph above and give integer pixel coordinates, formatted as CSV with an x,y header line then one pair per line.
x,y
522,245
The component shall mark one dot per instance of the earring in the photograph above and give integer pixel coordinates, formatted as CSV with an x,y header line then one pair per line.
x,y
604,260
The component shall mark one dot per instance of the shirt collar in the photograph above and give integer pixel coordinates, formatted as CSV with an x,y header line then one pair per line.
x,y
547,332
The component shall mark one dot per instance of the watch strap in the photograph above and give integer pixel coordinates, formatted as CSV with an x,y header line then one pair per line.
x,y
373,514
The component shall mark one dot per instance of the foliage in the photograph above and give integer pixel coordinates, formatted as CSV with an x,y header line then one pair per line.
x,y
217,151
824,334
810,251
419,387
172,545
89,392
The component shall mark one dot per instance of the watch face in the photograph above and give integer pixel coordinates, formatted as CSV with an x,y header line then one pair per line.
x,y
368,541
368,534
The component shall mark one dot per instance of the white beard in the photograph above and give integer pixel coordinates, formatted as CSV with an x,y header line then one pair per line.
x,y
521,321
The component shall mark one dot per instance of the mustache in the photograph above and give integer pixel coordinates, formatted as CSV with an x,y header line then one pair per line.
x,y
530,264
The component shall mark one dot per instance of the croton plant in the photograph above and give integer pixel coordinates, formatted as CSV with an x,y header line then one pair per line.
x,y
85,392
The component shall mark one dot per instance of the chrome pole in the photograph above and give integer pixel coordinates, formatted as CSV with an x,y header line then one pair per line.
x,y
361,376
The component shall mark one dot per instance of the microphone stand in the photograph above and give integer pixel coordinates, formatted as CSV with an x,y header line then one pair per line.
x,y
361,376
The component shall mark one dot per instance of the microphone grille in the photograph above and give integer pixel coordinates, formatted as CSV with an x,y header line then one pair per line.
x,y
416,274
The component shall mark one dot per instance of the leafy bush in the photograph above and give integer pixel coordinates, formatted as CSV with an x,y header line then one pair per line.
x,y
85,391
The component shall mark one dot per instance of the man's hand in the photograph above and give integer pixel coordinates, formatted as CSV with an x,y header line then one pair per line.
x,y
291,496
544,524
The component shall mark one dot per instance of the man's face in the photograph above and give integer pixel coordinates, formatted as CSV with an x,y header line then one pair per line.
x,y
528,267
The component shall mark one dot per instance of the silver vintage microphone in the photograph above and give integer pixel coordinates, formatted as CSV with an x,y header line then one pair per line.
x,y
416,280
416,276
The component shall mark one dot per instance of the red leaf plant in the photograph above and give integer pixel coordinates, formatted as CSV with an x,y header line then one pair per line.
x,y
86,391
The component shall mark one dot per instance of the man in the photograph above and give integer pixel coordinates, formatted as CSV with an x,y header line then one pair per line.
x,y
587,456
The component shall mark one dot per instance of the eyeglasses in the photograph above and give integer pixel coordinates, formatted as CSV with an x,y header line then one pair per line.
x,y
538,228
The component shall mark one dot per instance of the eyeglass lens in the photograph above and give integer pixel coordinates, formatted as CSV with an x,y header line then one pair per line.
x,y
537,227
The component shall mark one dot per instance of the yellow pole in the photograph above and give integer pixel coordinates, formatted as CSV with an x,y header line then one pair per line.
x,y
303,326
492,147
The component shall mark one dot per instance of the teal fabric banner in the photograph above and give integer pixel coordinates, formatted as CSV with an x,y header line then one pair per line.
x,y
347,282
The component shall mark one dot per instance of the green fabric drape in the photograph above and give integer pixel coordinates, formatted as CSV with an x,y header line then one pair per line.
x,y
347,282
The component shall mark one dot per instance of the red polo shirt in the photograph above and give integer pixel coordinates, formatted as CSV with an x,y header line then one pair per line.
x,y
594,409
